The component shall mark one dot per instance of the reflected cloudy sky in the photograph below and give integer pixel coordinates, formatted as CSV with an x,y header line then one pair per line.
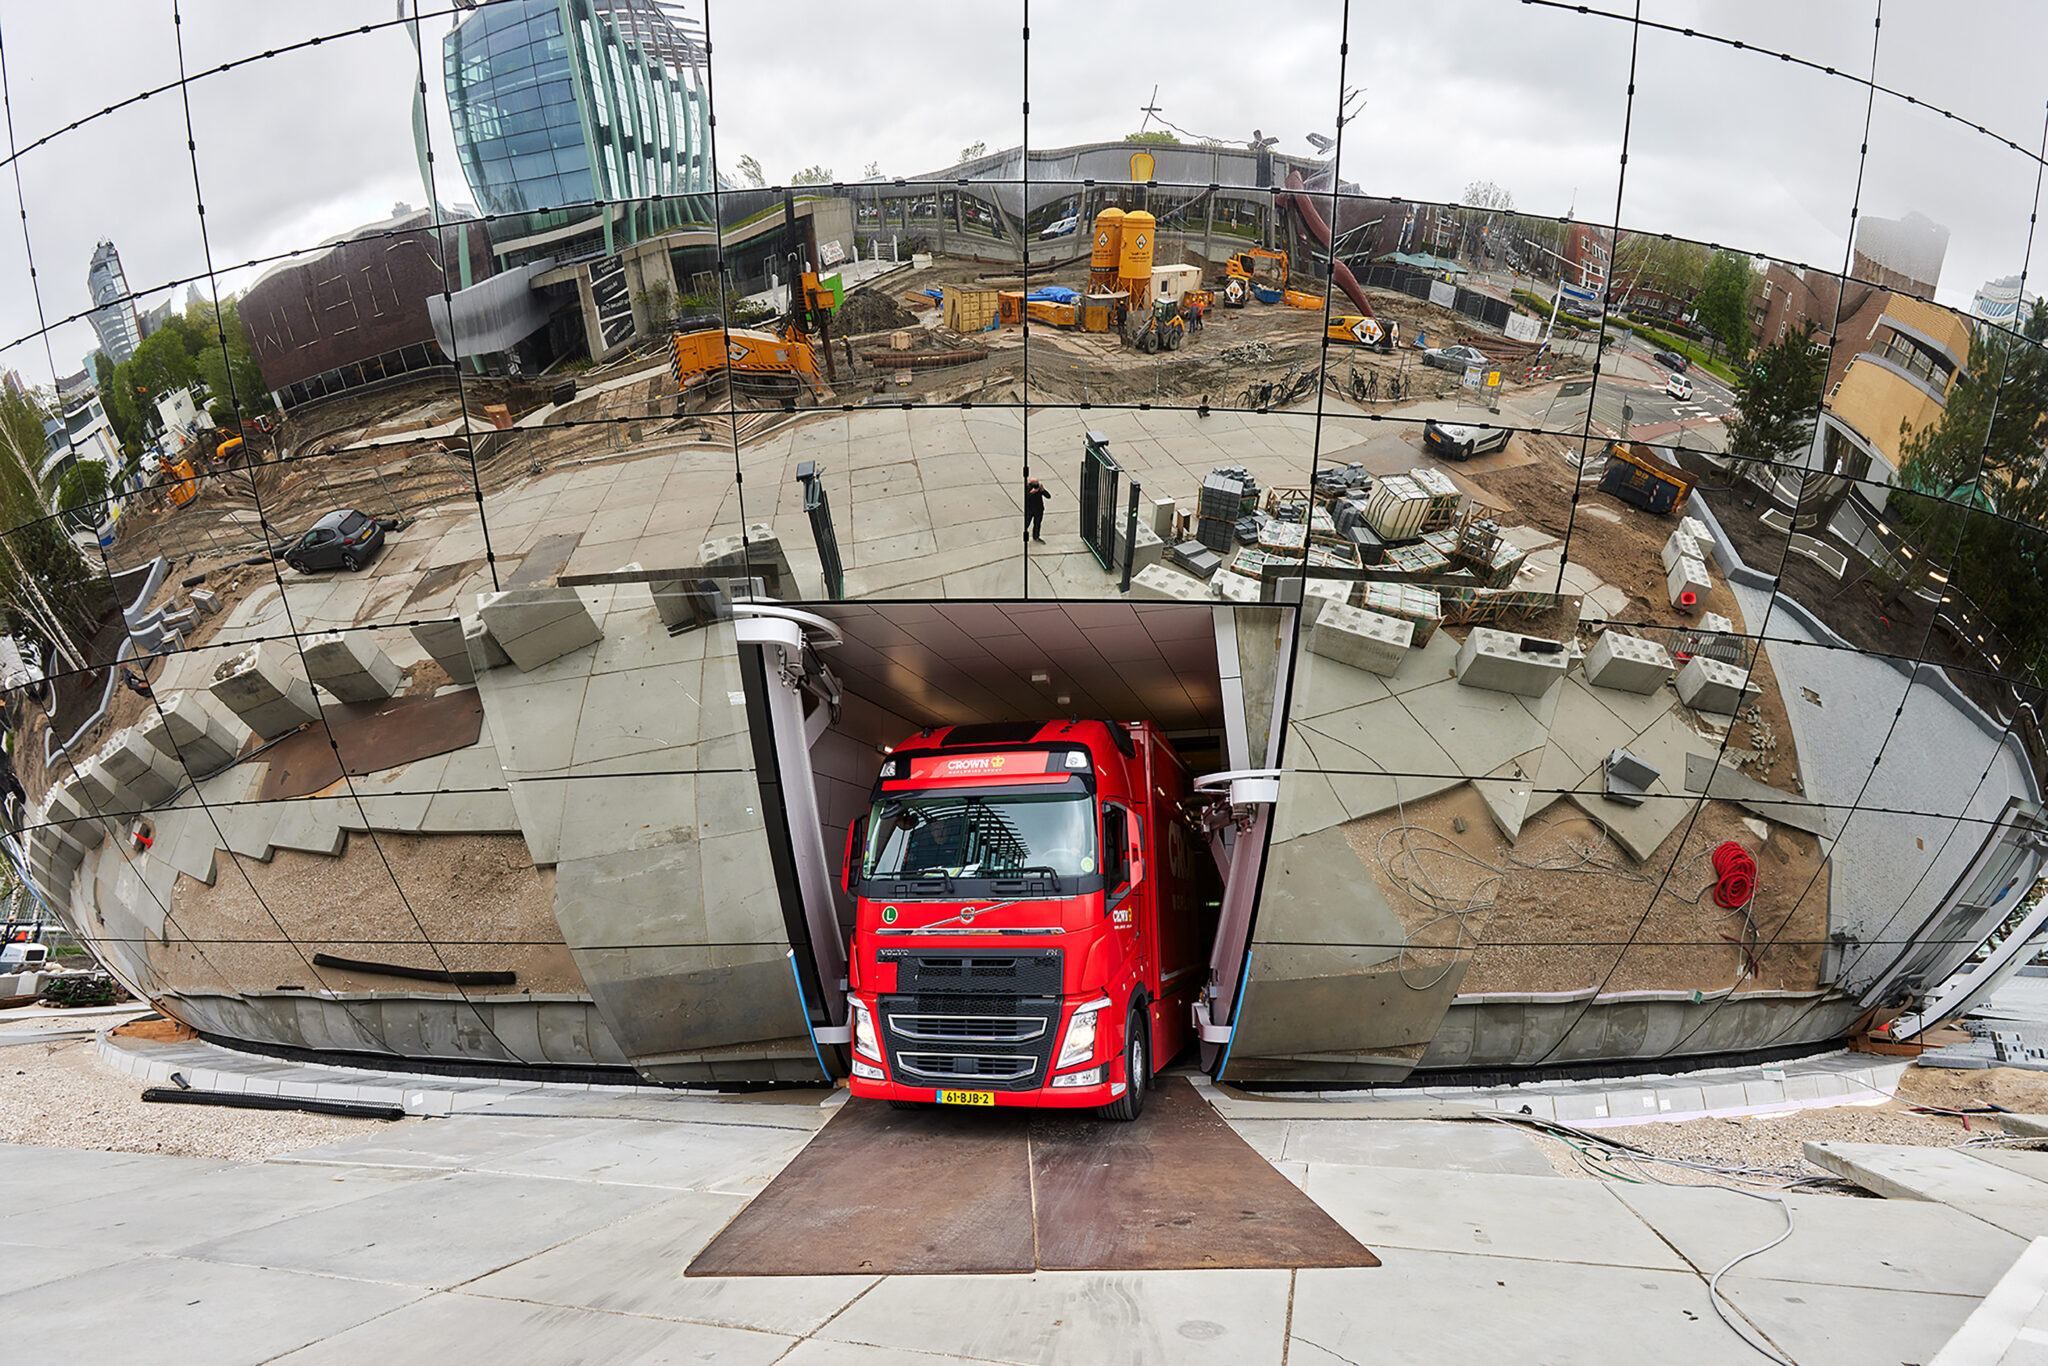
x,y
1726,145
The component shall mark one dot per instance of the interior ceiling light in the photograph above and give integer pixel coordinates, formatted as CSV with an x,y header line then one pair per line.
x,y
1041,678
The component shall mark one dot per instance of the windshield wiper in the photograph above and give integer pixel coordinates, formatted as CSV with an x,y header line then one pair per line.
x,y
1047,869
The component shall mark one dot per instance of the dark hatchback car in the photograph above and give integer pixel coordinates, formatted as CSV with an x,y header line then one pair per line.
x,y
347,539
1671,360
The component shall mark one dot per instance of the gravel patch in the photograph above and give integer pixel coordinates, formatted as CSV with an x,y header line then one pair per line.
x,y
59,1094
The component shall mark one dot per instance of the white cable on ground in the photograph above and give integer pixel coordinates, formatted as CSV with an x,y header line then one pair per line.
x,y
1714,1285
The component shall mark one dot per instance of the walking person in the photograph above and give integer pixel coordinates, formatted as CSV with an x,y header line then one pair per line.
x,y
1034,510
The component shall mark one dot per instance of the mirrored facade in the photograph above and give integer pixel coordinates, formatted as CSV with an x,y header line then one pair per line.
x,y
1589,577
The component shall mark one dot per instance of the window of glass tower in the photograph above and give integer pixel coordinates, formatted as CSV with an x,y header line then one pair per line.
x,y
510,92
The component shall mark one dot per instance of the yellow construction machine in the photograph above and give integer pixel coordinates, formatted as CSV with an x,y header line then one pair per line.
x,y
776,362
1255,272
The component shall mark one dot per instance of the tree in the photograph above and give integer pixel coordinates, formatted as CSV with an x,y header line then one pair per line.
x,y
813,175
1778,399
750,172
1484,194
1987,445
1671,266
46,585
1158,135
1726,286
872,171
82,493
971,151
1972,489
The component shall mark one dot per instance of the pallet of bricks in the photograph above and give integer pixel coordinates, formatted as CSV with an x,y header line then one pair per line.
x,y
1466,606
1298,507
1227,494
1476,546
1444,498
1423,606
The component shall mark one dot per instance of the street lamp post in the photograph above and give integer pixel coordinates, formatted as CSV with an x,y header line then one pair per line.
x,y
1558,298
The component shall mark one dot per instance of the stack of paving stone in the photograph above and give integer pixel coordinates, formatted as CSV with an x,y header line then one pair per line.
x,y
1225,494
1444,498
1421,606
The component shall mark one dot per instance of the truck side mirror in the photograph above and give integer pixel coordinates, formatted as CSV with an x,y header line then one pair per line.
x,y
846,862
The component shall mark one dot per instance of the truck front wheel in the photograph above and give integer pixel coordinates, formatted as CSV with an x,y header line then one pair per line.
x,y
1137,1069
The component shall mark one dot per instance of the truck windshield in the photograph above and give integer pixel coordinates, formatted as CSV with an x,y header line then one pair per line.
x,y
958,835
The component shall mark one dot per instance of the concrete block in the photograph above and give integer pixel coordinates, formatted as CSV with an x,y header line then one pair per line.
x,y
444,643
1160,584
1710,685
1159,516
101,794
758,552
351,666
1687,583
1319,595
190,729
1362,639
1628,663
1629,778
180,619
1235,588
535,625
484,650
64,807
259,686
1680,545
1496,660
138,765
204,602
1150,548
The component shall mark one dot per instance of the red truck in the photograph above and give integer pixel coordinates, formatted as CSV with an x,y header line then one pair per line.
x,y
1034,910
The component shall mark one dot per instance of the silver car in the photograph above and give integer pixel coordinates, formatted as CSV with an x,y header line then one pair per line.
x,y
1456,358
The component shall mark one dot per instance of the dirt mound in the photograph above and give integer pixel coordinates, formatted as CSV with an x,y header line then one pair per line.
x,y
870,310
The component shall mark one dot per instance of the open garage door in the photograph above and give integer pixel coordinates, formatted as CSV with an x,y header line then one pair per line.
x,y
844,683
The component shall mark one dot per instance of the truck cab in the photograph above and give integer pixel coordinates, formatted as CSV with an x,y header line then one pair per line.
x,y
1029,917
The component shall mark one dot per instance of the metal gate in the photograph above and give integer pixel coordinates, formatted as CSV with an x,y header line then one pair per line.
x,y
1099,475
822,531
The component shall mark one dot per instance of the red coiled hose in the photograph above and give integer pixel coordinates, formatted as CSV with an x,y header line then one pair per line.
x,y
1735,872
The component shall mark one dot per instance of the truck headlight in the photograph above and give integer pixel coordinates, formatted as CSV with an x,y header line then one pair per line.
x,y
868,1071
1091,1077
864,1032
1079,1045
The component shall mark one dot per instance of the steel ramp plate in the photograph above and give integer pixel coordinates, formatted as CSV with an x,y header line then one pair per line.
x,y
887,1192
890,1192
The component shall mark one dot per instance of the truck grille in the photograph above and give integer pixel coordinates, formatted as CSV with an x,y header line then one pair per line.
x,y
969,1028
1001,1043
976,1067
1023,972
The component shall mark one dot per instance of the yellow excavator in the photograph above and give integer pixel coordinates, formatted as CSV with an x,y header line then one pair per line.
x,y
1254,268
776,363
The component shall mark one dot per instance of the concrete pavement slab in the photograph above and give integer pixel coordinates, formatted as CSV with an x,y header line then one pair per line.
x,y
170,1310
1447,1307
1552,1218
467,1328
1833,1325
635,1267
439,1232
28,1172
182,1209
455,1143
1417,1144
1056,1317
1880,1245
1997,1195
735,1158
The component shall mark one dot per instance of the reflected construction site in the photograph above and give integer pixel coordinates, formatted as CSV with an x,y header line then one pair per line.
x,y
1588,649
